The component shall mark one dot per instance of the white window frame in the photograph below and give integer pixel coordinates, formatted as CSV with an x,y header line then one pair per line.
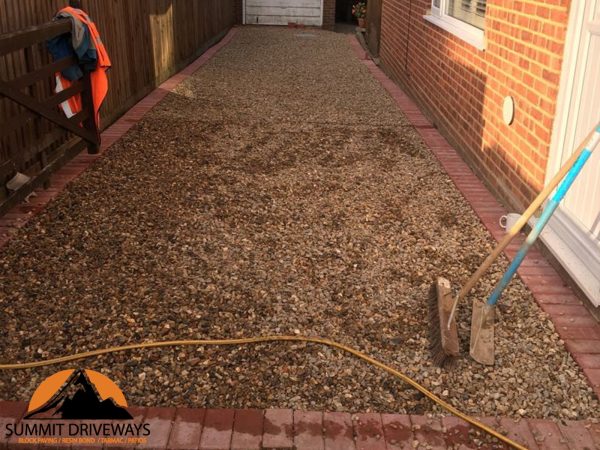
x,y
467,32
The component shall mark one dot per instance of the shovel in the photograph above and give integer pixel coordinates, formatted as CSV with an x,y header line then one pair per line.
x,y
482,321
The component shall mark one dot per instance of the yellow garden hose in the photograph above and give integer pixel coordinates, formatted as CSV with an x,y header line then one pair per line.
x,y
264,339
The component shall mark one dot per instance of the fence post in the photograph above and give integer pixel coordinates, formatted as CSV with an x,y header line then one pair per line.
x,y
90,122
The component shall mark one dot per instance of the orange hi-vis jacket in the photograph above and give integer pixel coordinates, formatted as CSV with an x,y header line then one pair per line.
x,y
98,77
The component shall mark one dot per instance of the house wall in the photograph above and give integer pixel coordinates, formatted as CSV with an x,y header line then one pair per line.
x,y
462,89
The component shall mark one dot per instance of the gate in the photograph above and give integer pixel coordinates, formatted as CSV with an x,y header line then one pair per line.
x,y
36,138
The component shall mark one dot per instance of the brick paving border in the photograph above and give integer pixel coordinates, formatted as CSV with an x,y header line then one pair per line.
x,y
212,429
186,428
573,322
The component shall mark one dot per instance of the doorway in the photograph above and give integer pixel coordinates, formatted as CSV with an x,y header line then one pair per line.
x,y
343,12
574,235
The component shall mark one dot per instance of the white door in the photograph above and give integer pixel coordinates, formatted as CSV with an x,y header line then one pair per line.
x,y
281,12
574,234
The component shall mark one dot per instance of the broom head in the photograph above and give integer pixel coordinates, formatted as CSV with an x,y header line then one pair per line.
x,y
444,339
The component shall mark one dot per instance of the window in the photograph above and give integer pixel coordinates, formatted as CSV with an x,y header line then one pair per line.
x,y
463,18
469,11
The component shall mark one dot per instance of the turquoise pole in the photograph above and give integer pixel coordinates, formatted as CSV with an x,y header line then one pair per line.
x,y
544,218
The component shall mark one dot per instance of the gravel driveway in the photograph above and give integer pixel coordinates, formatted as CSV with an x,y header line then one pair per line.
x,y
278,190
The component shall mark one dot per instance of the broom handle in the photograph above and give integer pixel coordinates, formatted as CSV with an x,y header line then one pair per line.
x,y
516,228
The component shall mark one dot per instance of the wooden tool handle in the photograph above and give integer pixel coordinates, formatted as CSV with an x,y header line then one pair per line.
x,y
516,228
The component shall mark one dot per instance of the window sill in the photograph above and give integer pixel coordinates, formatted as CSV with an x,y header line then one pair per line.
x,y
468,33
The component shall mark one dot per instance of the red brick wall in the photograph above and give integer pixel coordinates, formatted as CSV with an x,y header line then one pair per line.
x,y
328,14
462,89
239,11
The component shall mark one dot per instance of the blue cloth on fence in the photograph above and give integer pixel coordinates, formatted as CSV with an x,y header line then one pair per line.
x,y
60,47
78,43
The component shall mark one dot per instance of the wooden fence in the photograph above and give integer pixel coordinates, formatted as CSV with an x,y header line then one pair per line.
x,y
147,40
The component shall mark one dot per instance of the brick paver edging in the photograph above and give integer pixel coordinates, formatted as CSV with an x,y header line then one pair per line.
x,y
253,429
573,322
18,216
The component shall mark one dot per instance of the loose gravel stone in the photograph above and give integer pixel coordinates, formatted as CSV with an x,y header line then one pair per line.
x,y
277,191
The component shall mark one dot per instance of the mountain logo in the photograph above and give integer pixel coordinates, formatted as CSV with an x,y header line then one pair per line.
x,y
78,395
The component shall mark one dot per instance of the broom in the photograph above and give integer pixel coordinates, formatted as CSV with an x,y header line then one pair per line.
x,y
444,344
